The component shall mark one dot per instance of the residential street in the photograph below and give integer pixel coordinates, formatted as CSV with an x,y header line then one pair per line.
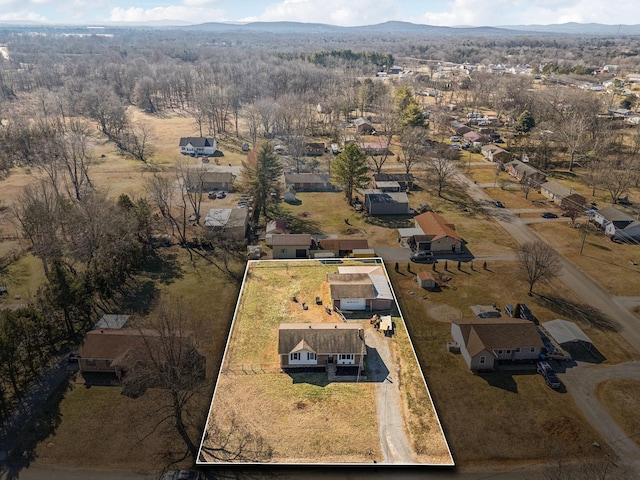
x,y
582,382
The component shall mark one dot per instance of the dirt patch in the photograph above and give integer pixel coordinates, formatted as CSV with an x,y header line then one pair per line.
x,y
444,313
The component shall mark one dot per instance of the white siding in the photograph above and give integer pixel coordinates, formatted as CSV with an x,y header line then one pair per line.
x,y
353,304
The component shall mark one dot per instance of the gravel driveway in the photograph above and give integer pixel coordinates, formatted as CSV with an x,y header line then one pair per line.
x,y
383,369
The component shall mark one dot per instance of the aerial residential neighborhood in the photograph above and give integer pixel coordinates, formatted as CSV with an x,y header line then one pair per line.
x,y
282,245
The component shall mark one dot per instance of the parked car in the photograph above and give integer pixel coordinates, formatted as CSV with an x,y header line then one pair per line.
x,y
527,314
182,475
624,201
221,195
498,203
212,195
423,257
548,215
546,370
455,139
509,309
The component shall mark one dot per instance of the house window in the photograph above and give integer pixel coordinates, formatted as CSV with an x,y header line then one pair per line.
x,y
499,352
533,349
311,356
508,352
345,356
517,350
91,362
295,356
482,360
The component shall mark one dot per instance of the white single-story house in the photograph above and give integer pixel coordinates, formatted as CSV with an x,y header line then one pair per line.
x,y
486,342
198,145
612,219
304,345
494,153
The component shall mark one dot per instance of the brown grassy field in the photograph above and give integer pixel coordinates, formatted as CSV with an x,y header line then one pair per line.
x,y
621,398
302,417
478,411
101,427
612,265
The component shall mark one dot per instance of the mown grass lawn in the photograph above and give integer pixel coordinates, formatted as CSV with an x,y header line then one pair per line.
x,y
621,398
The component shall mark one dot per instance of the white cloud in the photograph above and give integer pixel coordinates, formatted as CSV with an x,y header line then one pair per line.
x,y
174,12
336,12
199,3
527,12
23,16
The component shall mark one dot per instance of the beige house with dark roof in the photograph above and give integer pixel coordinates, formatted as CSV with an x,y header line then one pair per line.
x,y
295,245
485,342
360,288
303,345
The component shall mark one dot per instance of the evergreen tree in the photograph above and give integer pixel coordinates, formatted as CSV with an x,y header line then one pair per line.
x,y
525,122
260,179
349,170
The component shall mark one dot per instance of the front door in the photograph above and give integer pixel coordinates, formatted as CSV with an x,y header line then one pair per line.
x,y
330,359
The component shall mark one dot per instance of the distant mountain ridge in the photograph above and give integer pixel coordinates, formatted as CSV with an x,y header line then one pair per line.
x,y
408,28
385,28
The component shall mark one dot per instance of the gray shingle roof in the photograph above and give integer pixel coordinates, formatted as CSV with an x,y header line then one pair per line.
x,y
322,338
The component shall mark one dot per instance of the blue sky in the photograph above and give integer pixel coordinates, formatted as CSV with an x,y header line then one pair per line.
x,y
336,12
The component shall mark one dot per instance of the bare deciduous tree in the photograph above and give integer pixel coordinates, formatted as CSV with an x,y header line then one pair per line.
x,y
538,261
441,169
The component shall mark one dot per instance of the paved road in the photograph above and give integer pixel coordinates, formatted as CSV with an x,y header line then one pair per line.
x,y
583,379
582,383
48,472
393,438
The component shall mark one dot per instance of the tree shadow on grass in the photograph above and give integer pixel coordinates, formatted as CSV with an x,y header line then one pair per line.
x,y
164,267
296,223
44,424
140,297
585,313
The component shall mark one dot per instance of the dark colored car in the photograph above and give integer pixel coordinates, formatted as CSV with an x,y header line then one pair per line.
x,y
527,314
548,215
498,203
423,257
546,370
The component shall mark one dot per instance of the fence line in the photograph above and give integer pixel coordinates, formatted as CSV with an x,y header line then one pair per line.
x,y
250,368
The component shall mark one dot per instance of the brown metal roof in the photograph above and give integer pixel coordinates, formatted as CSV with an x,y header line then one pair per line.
x,y
292,240
343,243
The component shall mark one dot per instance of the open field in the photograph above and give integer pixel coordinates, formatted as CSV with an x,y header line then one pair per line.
x,y
301,417
480,423
100,426
621,398
614,266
